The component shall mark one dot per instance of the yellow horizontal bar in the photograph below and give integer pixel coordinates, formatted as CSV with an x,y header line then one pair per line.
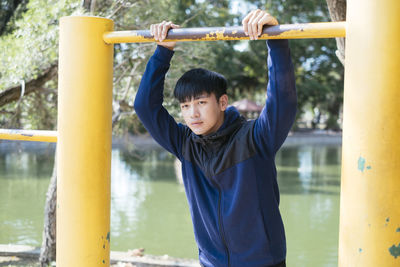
x,y
29,135
284,31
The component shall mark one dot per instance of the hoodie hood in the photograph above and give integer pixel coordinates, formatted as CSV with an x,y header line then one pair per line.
x,y
232,120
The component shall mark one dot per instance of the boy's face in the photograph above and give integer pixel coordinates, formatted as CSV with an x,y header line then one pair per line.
x,y
204,114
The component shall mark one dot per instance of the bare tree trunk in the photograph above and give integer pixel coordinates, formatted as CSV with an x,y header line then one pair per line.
x,y
92,6
89,5
337,10
48,249
86,4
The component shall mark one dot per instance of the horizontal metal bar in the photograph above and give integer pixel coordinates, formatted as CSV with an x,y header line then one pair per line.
x,y
284,31
29,135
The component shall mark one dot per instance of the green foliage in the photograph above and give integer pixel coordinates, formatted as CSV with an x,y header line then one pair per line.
x,y
140,15
10,9
319,74
30,45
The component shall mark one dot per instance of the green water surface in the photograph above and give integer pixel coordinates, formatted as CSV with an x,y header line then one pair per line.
x,y
149,208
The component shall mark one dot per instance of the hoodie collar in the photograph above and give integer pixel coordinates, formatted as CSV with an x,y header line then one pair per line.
x,y
232,120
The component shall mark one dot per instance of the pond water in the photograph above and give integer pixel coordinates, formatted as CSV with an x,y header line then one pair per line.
x,y
149,208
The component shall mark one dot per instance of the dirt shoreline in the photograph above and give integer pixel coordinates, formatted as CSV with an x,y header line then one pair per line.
x,y
27,256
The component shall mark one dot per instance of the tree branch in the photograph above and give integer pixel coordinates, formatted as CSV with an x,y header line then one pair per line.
x,y
13,93
337,11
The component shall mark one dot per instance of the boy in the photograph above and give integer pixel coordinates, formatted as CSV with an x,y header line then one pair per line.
x,y
228,164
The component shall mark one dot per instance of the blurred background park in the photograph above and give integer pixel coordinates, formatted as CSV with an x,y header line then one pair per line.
x,y
148,204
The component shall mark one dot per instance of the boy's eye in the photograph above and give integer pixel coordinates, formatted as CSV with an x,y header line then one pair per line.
x,y
184,106
202,102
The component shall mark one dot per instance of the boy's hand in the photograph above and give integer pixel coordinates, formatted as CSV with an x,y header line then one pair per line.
x,y
160,30
254,22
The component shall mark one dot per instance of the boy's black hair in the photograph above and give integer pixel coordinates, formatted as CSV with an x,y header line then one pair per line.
x,y
195,82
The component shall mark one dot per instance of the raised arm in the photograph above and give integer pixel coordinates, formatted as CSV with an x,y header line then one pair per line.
x,y
277,117
149,99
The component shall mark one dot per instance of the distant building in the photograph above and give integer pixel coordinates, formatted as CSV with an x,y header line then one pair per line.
x,y
248,108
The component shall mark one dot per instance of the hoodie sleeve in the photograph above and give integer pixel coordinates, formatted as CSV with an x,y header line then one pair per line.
x,y
277,117
148,103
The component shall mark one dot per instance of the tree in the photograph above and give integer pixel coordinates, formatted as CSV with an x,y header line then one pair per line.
x,y
31,52
337,11
10,9
319,74
49,238
29,61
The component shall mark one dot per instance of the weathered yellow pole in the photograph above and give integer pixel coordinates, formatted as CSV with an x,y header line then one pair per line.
x,y
370,190
84,142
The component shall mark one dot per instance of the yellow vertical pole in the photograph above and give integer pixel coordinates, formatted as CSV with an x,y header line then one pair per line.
x,y
370,190
84,142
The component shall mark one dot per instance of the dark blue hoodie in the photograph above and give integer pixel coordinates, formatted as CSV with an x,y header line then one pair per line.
x,y
229,176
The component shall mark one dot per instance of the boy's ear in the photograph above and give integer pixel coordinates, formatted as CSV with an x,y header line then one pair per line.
x,y
223,102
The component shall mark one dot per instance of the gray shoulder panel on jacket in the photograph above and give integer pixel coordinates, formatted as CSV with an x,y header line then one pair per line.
x,y
216,155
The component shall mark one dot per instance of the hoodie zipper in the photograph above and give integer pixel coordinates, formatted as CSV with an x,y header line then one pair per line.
x,y
221,227
222,232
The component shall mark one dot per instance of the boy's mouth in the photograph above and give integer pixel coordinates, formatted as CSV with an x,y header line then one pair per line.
x,y
197,123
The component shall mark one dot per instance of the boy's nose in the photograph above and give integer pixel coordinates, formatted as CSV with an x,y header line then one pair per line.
x,y
194,112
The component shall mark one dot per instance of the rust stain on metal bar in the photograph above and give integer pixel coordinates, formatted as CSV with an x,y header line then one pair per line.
x,y
285,31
